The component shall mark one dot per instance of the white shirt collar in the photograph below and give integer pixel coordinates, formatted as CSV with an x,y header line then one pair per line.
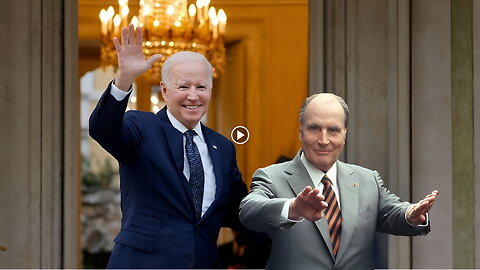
x,y
316,175
180,127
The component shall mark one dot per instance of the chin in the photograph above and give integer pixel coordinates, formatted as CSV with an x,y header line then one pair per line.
x,y
194,115
324,165
192,121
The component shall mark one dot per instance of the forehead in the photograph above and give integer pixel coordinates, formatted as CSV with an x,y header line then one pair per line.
x,y
193,69
325,111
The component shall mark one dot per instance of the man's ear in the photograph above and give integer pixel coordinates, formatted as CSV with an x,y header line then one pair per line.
x,y
163,89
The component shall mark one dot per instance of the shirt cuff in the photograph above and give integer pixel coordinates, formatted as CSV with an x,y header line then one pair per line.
x,y
421,225
284,215
118,94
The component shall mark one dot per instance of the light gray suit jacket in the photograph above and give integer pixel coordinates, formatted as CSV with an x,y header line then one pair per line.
x,y
366,205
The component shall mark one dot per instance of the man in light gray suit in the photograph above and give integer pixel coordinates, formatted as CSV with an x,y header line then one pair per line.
x,y
322,213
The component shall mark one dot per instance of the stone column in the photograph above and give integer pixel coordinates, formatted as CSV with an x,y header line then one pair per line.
x,y
38,135
367,61
476,123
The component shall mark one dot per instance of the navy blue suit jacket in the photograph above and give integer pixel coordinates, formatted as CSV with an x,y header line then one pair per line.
x,y
159,229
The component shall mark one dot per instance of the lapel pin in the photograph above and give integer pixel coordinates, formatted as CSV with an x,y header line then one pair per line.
x,y
354,184
215,147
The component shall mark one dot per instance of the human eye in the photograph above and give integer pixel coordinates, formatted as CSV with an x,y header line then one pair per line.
x,y
201,87
313,127
182,87
334,129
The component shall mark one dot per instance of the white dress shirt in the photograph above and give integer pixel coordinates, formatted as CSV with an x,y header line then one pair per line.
x,y
210,184
317,175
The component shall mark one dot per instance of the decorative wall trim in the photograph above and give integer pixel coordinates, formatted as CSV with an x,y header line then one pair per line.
x,y
476,123
71,252
462,135
399,124
431,134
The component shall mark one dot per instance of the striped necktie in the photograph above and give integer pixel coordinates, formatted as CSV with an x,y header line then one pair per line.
x,y
197,175
333,214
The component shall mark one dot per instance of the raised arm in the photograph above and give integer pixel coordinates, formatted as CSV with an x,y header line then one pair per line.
x,y
108,127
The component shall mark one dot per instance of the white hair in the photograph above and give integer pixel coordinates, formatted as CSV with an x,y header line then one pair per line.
x,y
185,57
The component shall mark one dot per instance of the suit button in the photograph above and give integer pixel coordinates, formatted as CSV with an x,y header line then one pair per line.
x,y
188,256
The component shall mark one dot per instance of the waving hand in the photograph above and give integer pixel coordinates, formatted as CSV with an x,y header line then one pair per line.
x,y
131,61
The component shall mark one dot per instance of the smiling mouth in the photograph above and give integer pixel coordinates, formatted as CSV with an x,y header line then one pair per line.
x,y
191,107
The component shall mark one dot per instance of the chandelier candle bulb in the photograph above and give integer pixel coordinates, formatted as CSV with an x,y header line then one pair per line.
x,y
215,28
134,21
192,11
116,25
124,12
200,11
104,20
170,14
205,9
214,24
211,15
222,21
110,13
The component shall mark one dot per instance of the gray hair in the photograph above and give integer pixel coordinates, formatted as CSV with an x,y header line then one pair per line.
x,y
312,97
185,57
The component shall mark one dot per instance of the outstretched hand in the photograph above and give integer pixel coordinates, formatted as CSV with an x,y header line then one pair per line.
x,y
309,204
131,61
417,214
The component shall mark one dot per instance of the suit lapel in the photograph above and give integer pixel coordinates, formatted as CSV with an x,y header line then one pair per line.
x,y
298,179
348,185
214,152
298,176
174,140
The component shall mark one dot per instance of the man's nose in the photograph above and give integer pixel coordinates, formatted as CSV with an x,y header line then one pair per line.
x,y
192,93
323,138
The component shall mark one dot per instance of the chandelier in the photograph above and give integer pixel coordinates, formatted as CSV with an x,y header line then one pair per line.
x,y
168,26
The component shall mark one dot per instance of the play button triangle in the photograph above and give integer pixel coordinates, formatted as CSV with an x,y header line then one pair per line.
x,y
239,135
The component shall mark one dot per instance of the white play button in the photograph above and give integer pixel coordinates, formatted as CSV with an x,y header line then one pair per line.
x,y
240,134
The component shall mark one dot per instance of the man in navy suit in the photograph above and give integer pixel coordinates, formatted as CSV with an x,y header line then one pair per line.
x,y
170,219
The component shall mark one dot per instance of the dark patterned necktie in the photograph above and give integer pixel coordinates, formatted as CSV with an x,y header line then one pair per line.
x,y
197,175
333,214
